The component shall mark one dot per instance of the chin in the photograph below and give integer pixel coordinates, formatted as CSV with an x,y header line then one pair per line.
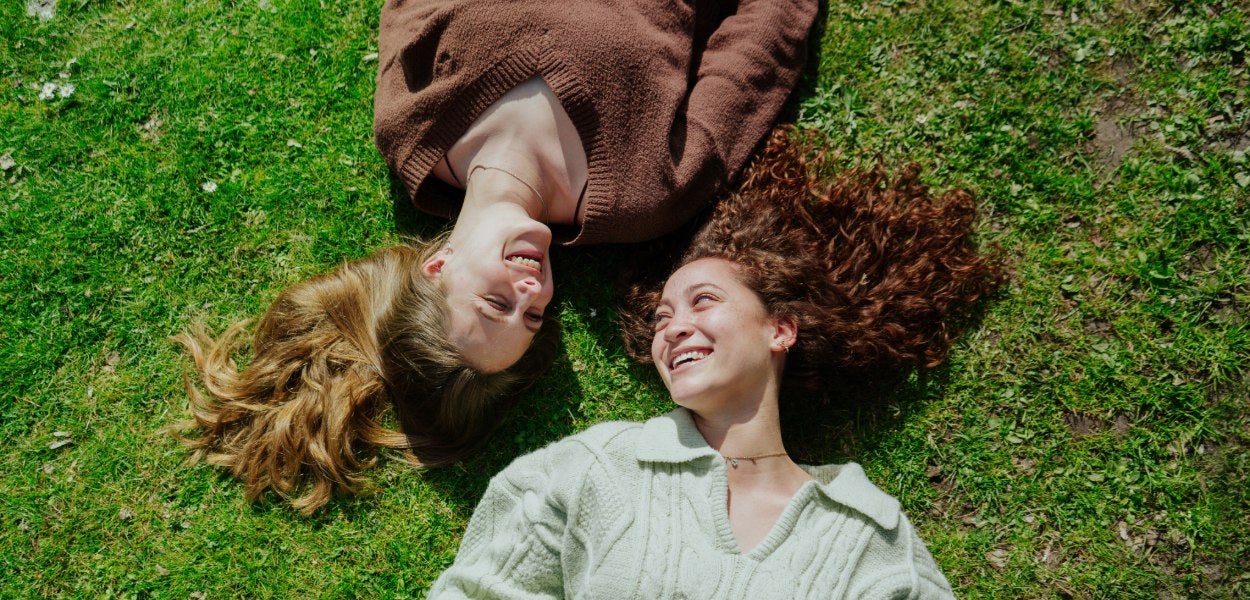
x,y
723,397
690,396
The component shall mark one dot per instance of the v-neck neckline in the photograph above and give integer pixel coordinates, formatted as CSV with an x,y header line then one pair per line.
x,y
777,533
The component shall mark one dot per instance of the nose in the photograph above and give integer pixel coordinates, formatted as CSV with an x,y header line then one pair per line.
x,y
527,286
679,328
529,292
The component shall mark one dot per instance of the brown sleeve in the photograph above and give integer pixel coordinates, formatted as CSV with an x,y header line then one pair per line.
x,y
751,63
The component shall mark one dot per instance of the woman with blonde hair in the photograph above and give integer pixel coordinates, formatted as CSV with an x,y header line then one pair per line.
x,y
791,279
589,122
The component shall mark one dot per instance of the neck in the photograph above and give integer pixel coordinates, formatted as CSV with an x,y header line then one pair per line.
x,y
514,182
491,199
740,438
745,433
527,133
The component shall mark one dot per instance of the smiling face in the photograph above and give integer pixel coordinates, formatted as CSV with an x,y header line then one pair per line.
x,y
714,339
498,282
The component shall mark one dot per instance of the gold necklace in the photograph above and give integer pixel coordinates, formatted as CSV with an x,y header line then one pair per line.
x,y
541,202
733,460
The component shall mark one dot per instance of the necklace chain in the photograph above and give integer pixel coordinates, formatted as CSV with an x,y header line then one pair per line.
x,y
542,202
733,460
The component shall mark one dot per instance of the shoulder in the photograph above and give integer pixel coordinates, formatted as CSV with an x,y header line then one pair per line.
x,y
604,434
892,559
614,450
571,457
603,443
900,565
671,437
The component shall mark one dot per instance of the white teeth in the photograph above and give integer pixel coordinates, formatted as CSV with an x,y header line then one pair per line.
x,y
691,356
527,262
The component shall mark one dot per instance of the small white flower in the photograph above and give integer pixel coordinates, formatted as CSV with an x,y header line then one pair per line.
x,y
48,91
209,186
66,90
922,119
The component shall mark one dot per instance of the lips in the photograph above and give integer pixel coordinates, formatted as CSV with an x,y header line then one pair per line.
x,y
529,260
526,261
687,357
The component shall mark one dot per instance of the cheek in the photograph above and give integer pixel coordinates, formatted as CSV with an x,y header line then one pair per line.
x,y
657,346
458,284
544,298
519,345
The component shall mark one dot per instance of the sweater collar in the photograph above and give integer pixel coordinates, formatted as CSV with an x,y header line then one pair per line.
x,y
673,438
848,485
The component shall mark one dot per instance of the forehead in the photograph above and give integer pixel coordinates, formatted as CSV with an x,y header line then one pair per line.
x,y
715,271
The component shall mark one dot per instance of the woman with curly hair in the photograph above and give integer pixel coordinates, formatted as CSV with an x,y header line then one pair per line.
x,y
526,121
790,278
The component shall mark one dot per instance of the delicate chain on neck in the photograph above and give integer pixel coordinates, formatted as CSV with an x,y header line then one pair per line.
x,y
733,460
542,202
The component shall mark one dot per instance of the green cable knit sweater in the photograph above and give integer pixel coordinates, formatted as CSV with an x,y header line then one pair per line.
x,y
637,510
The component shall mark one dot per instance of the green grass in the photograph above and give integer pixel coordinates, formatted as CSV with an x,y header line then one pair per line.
x,y
1088,438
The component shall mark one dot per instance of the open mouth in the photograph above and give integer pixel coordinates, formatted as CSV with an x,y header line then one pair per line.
x,y
525,261
688,357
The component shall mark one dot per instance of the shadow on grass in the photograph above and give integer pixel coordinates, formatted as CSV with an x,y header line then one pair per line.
x,y
545,413
856,412
810,75
411,223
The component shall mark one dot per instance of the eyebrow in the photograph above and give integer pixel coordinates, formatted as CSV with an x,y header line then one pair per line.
x,y
498,318
690,290
699,286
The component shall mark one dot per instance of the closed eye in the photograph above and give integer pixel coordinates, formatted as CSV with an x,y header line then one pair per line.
x,y
659,320
496,303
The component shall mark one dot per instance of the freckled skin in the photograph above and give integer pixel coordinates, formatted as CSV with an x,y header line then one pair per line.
x,y
705,307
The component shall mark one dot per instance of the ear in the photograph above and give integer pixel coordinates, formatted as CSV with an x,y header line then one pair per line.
x,y
785,332
432,268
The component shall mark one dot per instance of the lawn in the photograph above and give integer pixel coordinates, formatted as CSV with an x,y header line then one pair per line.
x,y
171,162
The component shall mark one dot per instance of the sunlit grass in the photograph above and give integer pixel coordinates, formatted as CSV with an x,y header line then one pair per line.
x,y
1088,438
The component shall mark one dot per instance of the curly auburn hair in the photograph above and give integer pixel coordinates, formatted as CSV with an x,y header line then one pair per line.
x,y
307,415
876,271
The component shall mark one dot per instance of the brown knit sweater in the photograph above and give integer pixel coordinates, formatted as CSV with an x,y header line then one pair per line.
x,y
670,98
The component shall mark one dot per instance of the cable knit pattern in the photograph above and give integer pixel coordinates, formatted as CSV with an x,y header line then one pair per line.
x,y
630,510
669,98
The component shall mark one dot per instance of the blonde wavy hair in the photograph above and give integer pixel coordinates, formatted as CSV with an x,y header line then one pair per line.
x,y
307,416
